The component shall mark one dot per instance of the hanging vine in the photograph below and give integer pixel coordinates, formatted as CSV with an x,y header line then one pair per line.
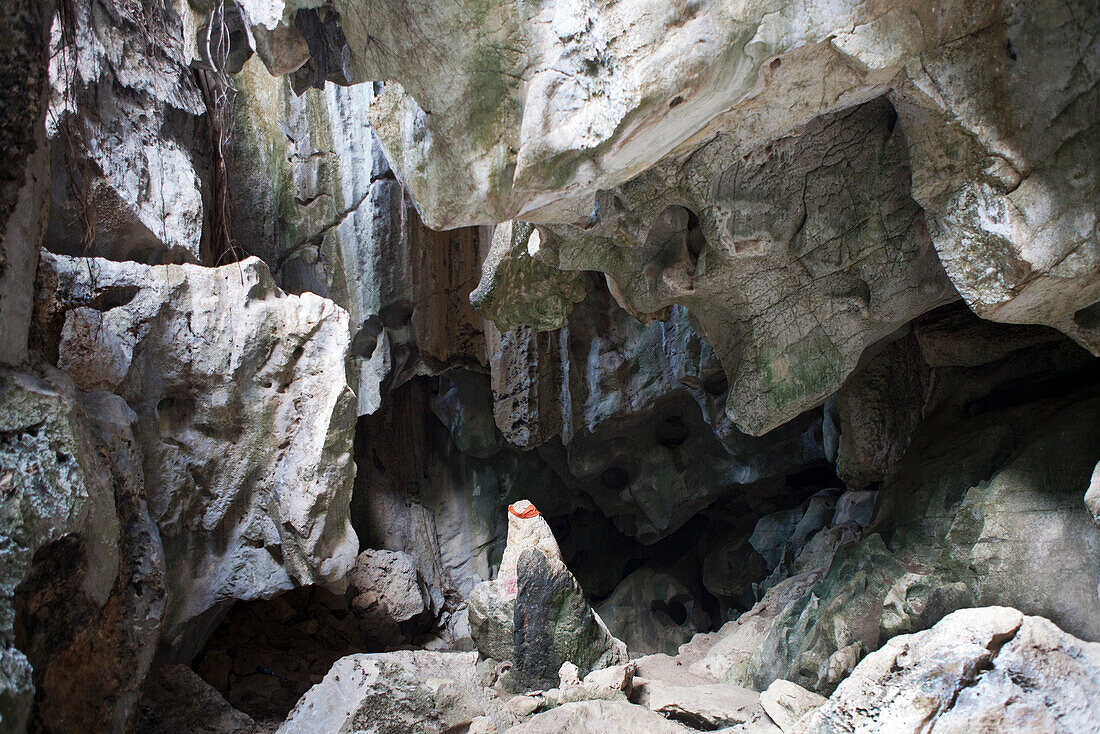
x,y
219,97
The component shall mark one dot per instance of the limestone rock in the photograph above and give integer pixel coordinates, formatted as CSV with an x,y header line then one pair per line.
x,y
598,717
492,626
176,700
880,408
1006,479
24,61
650,611
550,623
1017,238
700,233
396,692
315,198
708,707
517,290
89,673
985,669
527,529
855,508
130,147
553,624
1092,495
464,404
388,595
640,411
245,420
785,703
58,528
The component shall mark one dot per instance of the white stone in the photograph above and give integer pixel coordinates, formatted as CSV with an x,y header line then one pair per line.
x,y
244,417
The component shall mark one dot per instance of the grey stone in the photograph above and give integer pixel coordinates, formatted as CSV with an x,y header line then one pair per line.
x,y
57,527
598,717
224,372
176,700
24,179
650,611
708,706
984,669
554,624
130,161
1009,474
1092,495
386,592
855,508
785,703
389,693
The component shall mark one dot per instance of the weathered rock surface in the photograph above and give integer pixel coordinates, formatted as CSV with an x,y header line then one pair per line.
x,y
177,700
244,419
24,180
640,412
131,151
985,669
1092,495
535,614
536,113
59,531
650,611
707,706
598,717
89,672
388,595
315,198
785,703
979,507
791,302
554,624
404,691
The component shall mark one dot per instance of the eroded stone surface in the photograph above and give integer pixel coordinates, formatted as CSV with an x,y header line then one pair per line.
x,y
58,522
989,668
131,158
1011,513
395,692
244,419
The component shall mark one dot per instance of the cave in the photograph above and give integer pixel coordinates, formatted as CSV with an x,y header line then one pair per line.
x,y
498,367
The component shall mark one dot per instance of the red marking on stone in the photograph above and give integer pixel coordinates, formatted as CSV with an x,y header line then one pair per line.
x,y
527,514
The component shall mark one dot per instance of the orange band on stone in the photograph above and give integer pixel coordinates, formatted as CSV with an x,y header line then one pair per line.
x,y
527,514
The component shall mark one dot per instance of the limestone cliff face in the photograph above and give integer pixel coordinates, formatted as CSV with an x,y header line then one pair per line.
x,y
784,315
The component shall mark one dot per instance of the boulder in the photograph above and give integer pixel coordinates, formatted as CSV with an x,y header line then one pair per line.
x,y
387,594
598,717
785,703
388,693
983,669
176,700
244,419
554,624
707,706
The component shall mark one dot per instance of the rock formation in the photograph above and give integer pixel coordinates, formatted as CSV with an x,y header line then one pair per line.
x,y
534,614
784,315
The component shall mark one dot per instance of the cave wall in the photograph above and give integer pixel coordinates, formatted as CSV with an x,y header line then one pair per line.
x,y
783,315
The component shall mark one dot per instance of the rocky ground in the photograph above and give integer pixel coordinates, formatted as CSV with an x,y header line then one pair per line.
x,y
606,365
